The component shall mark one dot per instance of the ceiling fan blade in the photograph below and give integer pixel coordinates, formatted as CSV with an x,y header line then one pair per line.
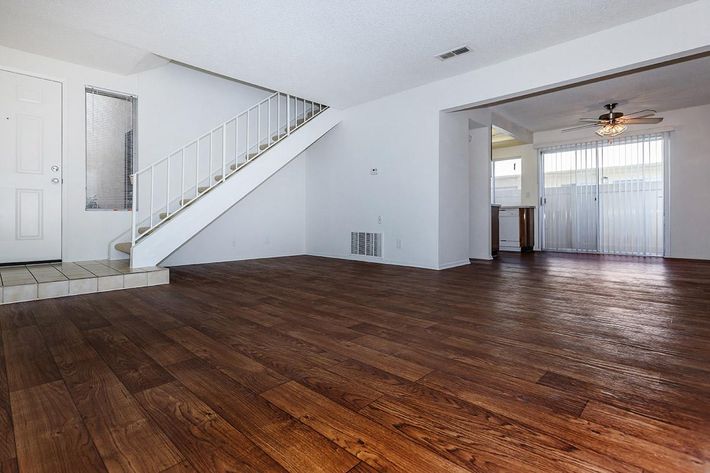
x,y
642,121
591,120
646,113
588,125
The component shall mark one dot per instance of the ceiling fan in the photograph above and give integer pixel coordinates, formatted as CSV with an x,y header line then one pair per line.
x,y
613,123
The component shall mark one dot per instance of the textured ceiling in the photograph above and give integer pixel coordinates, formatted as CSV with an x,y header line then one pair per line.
x,y
339,52
25,32
681,85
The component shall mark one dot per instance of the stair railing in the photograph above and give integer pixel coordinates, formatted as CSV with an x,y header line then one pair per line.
x,y
214,156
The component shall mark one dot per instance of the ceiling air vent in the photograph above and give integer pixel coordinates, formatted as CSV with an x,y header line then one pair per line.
x,y
366,244
453,52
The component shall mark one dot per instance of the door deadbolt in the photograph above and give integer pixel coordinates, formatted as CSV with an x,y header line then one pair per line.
x,y
55,168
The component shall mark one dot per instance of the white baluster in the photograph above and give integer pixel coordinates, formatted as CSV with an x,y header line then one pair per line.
x,y
152,186
268,126
167,189
134,207
182,179
288,114
278,116
197,167
224,152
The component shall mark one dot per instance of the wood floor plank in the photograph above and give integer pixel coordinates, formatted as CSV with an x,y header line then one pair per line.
x,y
13,316
575,430
286,355
9,466
49,432
479,439
28,361
7,437
135,369
448,359
691,414
182,467
389,363
362,467
293,445
348,392
208,440
126,440
694,443
155,344
240,368
358,435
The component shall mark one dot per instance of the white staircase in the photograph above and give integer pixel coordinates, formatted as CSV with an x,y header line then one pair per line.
x,y
179,195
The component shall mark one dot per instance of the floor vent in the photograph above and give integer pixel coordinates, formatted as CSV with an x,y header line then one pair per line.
x,y
366,244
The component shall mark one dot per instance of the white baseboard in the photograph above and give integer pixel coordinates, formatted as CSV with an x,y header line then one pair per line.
x,y
454,264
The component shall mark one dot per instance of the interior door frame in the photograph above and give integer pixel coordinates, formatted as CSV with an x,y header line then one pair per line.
x,y
63,142
667,137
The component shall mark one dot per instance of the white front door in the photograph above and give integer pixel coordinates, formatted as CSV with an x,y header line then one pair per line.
x,y
30,168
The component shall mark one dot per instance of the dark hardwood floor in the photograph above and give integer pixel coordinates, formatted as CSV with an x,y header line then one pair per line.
x,y
534,363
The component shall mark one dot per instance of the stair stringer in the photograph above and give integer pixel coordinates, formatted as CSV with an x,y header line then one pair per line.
x,y
172,234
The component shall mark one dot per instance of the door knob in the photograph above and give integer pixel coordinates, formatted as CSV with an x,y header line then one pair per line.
x,y
55,180
55,168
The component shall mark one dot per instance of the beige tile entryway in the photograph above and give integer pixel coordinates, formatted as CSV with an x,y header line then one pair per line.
x,y
42,281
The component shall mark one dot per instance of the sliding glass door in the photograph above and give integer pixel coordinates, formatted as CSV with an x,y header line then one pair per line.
x,y
570,199
604,196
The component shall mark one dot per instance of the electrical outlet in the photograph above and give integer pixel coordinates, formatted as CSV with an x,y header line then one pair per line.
x,y
398,243
373,171
379,220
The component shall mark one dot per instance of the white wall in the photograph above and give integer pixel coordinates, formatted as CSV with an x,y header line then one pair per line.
x,y
397,136
689,170
269,222
479,244
175,104
454,165
400,135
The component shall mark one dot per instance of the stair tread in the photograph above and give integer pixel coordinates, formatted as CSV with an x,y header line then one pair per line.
x,y
123,247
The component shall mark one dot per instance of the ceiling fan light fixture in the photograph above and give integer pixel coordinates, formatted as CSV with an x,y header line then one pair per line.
x,y
611,130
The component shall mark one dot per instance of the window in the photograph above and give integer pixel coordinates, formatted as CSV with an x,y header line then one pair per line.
x,y
110,149
507,182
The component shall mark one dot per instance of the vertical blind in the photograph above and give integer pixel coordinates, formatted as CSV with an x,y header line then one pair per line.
x,y
110,152
605,196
